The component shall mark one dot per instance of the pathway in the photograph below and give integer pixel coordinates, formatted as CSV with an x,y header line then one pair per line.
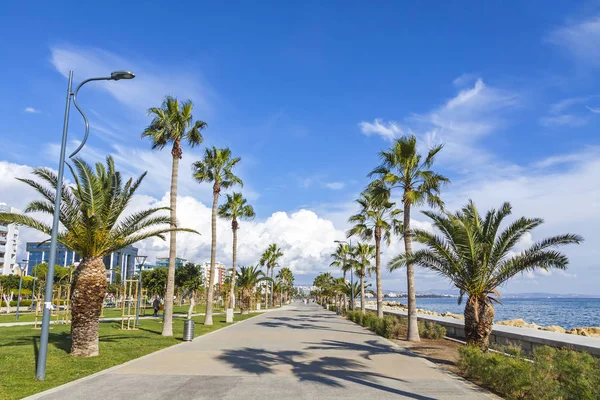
x,y
298,352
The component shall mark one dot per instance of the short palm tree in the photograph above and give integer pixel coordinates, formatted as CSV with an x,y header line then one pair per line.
x,y
215,167
478,258
236,207
362,255
286,276
270,259
91,214
376,219
323,282
173,123
402,167
247,280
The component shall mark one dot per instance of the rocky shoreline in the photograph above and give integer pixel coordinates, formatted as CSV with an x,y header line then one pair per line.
x,y
519,323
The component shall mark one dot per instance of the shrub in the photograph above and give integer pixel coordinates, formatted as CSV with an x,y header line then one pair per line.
x,y
24,303
431,330
393,327
552,374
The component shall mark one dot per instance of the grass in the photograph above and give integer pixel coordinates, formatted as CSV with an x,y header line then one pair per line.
x,y
26,316
20,344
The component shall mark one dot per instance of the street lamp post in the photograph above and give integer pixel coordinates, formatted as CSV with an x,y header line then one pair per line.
x,y
351,272
43,350
22,266
139,260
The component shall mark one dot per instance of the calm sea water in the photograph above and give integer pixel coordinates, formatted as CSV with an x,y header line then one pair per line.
x,y
568,313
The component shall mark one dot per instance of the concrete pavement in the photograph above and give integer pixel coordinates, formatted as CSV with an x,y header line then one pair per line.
x,y
298,352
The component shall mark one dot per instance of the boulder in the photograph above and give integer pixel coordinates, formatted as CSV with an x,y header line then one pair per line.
x,y
452,315
519,323
554,328
591,331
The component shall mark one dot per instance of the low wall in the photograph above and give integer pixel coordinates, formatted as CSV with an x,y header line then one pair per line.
x,y
527,338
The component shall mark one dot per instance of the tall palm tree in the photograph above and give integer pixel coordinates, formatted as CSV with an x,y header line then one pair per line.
x,y
377,220
342,260
270,259
215,167
362,255
403,168
91,214
236,207
173,123
478,258
247,280
323,283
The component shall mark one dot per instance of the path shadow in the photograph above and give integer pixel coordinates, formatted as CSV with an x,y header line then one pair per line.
x,y
329,371
305,325
367,349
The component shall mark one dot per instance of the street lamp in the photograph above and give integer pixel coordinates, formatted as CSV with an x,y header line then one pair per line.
x,y
22,267
114,76
139,260
351,272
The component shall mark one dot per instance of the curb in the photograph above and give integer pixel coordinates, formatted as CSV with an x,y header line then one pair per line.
x,y
126,363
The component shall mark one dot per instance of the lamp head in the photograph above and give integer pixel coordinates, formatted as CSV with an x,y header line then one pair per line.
x,y
117,75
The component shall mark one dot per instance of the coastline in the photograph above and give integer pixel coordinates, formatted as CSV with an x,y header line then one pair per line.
x,y
590,331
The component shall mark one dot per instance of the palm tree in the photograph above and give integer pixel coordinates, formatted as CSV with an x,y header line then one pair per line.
x,y
376,219
247,280
216,167
341,259
91,214
478,258
323,282
173,123
402,167
362,256
235,207
270,259
286,277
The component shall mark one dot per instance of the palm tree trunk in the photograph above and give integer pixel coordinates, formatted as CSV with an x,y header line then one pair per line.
x,y
378,272
168,306
89,289
362,290
413,326
479,321
345,297
272,286
208,320
232,291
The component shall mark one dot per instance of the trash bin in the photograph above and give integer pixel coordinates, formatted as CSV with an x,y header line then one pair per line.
x,y
188,330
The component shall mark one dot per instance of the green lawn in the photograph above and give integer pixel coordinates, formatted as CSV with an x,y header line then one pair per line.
x,y
108,313
19,348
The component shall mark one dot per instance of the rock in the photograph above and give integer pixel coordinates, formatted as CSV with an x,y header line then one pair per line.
x,y
591,331
452,315
554,328
519,323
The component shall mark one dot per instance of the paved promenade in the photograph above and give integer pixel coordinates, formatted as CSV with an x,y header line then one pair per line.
x,y
298,352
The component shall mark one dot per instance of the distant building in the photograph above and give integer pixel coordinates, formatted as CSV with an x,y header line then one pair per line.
x,y
164,262
9,240
369,296
122,261
220,273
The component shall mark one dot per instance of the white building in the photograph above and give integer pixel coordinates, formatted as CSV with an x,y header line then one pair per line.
x,y
9,239
220,273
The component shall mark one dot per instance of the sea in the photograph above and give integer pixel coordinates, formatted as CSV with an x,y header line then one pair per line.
x,y
566,312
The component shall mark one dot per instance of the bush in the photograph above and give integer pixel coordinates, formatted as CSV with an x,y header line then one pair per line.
x,y
552,374
431,330
13,303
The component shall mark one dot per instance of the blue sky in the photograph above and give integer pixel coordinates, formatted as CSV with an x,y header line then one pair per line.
x,y
307,93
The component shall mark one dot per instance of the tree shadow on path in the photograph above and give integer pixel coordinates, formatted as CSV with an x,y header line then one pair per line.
x,y
366,349
329,371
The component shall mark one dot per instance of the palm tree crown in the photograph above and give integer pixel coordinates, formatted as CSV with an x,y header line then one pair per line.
x,y
216,167
236,206
173,123
477,257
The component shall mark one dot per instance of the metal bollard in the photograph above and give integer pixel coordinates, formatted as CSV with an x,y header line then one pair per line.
x,y
188,330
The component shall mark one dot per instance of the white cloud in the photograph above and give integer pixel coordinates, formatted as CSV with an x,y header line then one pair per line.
x,y
388,131
31,110
148,88
563,120
594,110
580,39
335,185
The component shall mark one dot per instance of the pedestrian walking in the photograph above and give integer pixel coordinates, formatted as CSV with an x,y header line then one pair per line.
x,y
156,306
